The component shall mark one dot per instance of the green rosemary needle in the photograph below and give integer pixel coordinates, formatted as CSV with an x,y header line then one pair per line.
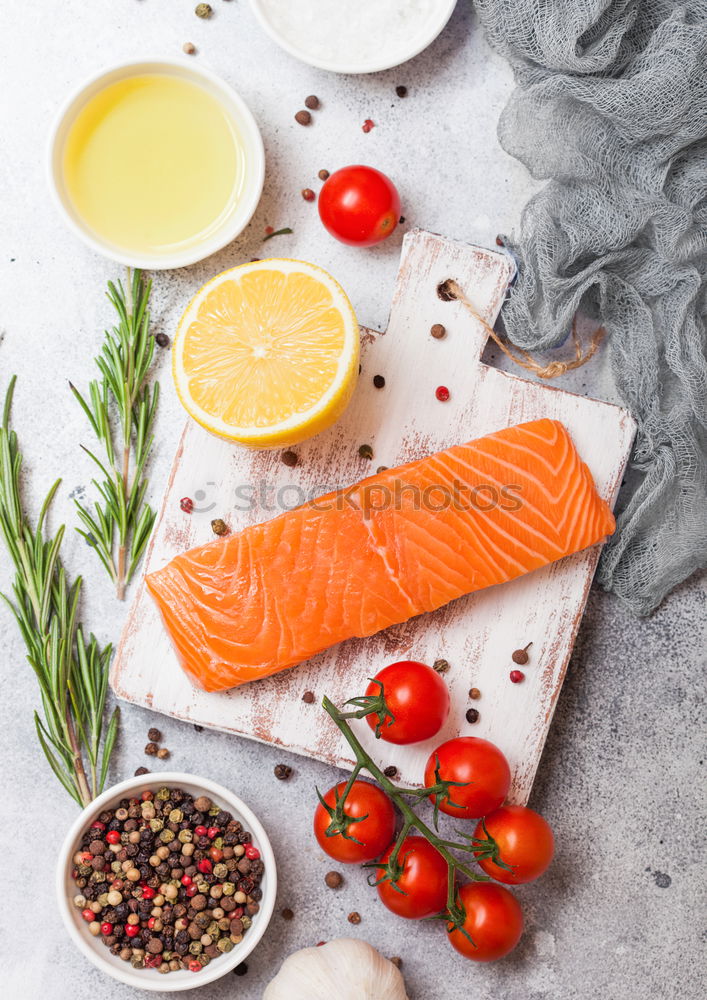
x,y
72,671
121,407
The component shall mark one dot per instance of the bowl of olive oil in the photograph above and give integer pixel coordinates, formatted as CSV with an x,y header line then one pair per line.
x,y
156,164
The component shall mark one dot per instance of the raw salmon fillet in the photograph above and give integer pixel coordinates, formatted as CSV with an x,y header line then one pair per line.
x,y
394,545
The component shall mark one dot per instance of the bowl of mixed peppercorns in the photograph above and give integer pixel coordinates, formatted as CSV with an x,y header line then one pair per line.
x,y
166,884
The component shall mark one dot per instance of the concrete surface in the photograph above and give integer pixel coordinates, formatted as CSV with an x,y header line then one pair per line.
x,y
620,914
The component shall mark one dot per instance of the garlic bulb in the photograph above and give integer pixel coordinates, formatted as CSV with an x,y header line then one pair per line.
x,y
344,968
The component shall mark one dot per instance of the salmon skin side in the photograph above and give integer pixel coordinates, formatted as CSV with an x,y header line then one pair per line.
x,y
397,544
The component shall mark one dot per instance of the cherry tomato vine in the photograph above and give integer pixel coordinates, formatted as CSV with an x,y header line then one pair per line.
x,y
392,868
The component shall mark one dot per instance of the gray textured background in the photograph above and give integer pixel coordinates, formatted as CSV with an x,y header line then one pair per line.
x,y
621,913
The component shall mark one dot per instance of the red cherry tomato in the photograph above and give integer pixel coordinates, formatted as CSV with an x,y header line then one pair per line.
x,y
359,205
494,921
416,696
479,764
374,830
523,839
421,890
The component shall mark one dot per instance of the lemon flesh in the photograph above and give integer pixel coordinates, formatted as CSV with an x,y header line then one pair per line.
x,y
266,354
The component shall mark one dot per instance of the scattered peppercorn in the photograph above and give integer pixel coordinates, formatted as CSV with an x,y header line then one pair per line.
x,y
141,770
203,10
189,48
438,331
311,102
472,715
500,241
378,381
282,772
401,91
289,458
517,676
521,655
219,527
151,749
391,771
442,393
365,451
474,694
287,913
401,220
198,728
269,230
368,125
187,505
162,340
303,118
154,734
163,753
240,970
170,892
308,697
441,666
354,918
382,468
308,194
323,175
397,961
334,880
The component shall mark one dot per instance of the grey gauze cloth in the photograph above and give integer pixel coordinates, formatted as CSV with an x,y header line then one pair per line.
x,y
611,108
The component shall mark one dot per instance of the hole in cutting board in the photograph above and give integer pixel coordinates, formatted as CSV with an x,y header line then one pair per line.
x,y
444,292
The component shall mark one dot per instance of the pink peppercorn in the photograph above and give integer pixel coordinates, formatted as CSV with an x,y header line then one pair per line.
x,y
442,393
368,125
187,504
517,676
252,853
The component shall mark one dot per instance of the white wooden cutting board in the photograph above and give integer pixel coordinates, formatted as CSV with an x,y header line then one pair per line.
x,y
402,421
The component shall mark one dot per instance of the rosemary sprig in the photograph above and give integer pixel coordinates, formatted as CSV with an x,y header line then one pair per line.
x,y
119,524
454,914
72,671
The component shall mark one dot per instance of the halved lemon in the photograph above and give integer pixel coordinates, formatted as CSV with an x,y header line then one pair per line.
x,y
266,354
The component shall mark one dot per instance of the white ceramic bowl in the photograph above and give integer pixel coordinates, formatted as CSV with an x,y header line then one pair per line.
x,y
389,54
94,949
245,126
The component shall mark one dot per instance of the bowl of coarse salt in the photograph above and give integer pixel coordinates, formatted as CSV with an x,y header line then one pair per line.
x,y
353,36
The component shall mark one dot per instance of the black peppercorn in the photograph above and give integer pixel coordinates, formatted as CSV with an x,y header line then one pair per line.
x,y
520,656
378,381
472,715
282,772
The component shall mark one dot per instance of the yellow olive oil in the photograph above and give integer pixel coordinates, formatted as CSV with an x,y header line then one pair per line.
x,y
153,164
